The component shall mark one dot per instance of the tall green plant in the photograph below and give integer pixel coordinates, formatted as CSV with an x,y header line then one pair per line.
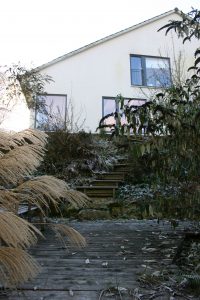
x,y
170,122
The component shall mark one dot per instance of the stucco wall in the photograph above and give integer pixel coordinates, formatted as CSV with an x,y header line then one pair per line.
x,y
14,114
104,70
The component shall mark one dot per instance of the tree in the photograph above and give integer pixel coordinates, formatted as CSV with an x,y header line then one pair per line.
x,y
19,90
20,80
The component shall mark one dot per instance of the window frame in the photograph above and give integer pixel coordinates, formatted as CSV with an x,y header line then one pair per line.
x,y
117,108
144,73
51,94
113,98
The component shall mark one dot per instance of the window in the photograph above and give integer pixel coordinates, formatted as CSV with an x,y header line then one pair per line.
x,y
150,71
50,113
110,105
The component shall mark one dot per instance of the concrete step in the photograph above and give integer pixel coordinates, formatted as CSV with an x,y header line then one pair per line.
x,y
106,182
98,191
112,176
122,167
123,160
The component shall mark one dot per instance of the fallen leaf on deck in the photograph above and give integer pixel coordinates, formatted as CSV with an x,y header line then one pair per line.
x,y
121,289
149,260
156,273
149,249
87,261
145,266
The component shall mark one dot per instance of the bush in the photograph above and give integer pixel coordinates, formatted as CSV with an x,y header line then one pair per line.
x,y
72,154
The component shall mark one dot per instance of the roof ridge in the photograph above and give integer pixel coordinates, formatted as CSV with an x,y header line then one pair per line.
x,y
106,38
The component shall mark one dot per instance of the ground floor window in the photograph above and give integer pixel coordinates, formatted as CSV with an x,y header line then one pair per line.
x,y
109,105
50,112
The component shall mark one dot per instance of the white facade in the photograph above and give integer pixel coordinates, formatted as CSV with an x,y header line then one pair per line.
x,y
15,116
14,112
102,69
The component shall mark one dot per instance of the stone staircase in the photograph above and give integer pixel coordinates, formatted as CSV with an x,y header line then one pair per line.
x,y
106,183
103,190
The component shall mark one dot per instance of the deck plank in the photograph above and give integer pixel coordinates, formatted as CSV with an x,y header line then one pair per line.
x,y
113,257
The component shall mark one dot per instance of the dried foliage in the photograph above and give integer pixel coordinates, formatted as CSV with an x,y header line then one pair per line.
x,y
11,140
19,162
74,236
16,266
30,136
16,232
8,200
20,155
44,191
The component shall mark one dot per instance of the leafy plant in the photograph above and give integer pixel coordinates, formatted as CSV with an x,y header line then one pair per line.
x,y
20,80
19,88
168,126
186,28
71,155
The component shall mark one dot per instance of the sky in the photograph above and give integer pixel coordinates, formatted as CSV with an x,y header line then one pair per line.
x,y
34,32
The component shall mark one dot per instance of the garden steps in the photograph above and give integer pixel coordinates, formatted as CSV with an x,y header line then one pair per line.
x,y
106,182
98,191
122,160
102,191
111,175
122,167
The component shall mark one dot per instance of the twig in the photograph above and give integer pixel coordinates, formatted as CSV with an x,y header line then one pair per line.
x,y
101,294
155,295
120,295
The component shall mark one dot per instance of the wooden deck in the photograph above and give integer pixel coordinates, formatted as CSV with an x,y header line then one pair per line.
x,y
117,252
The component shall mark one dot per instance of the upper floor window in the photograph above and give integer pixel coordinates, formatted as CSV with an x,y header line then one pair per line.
x,y
50,113
150,71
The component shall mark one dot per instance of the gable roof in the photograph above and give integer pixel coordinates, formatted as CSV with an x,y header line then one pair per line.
x,y
108,38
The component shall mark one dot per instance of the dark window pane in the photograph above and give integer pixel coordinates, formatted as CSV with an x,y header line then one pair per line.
x,y
136,70
136,77
136,62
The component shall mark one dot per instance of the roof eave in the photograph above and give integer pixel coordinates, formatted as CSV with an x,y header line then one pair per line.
x,y
107,38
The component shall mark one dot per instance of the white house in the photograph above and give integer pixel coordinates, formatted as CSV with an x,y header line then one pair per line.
x,y
14,112
134,62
